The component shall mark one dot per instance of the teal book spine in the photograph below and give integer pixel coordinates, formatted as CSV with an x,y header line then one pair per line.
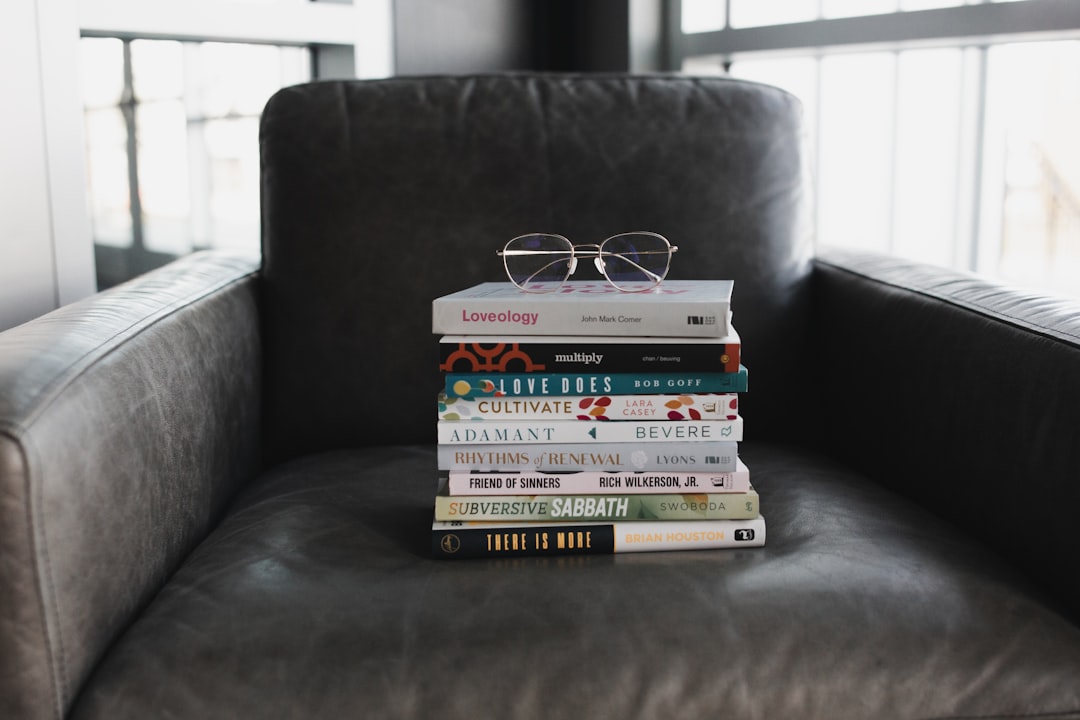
x,y
474,385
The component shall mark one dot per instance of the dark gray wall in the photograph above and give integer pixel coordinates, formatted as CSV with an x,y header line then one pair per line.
x,y
464,36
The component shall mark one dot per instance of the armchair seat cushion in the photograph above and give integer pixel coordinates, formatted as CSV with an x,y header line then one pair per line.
x,y
317,596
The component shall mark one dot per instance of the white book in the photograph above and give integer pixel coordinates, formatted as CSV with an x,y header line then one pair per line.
x,y
595,482
691,406
501,432
531,457
676,308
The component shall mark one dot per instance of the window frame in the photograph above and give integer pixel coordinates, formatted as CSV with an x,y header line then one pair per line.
x,y
359,32
982,23
972,28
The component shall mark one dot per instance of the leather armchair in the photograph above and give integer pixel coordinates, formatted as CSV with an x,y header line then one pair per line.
x,y
216,480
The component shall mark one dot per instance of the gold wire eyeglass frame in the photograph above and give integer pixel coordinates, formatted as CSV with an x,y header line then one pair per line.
x,y
588,250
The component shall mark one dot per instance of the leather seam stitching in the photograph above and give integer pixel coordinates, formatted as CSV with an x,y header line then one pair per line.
x,y
1048,714
87,360
60,660
44,585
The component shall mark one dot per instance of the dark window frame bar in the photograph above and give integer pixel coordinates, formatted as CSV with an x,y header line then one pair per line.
x,y
982,24
976,27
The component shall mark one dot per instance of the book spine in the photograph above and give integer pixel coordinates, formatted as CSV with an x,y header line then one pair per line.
x,y
594,482
473,385
525,357
479,540
499,432
695,406
613,457
599,315
576,508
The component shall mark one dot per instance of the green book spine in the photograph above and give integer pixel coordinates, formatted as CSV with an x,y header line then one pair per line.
x,y
578,508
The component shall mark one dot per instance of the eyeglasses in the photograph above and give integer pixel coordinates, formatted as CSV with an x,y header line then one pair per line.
x,y
631,262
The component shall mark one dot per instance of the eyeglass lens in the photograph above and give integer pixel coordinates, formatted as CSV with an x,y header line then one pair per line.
x,y
632,259
538,260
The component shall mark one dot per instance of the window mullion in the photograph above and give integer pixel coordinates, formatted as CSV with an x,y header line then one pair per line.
x,y
894,137
970,173
128,107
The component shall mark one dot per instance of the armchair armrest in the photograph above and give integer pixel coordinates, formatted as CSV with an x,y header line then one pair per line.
x,y
963,395
126,420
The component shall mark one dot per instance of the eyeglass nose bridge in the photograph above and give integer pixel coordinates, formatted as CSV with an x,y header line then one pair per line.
x,y
585,250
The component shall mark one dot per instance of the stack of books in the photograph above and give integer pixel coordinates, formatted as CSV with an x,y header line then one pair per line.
x,y
589,420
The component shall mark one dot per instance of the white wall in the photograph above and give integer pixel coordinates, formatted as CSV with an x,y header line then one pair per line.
x,y
46,255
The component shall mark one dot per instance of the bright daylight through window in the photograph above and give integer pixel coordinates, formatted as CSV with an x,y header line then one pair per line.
x,y
956,152
172,145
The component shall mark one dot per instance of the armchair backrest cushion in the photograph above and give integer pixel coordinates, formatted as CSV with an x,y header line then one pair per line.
x,y
379,196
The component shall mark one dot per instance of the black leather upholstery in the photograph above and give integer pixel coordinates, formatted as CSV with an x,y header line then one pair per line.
x,y
315,598
919,561
966,399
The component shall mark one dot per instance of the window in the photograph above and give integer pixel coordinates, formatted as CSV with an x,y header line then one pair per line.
x,y
172,145
938,130
172,92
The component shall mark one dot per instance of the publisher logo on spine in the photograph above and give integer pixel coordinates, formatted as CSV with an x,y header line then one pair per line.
x,y
744,535
700,319
451,543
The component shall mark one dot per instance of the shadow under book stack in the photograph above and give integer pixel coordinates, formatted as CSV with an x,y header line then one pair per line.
x,y
588,420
